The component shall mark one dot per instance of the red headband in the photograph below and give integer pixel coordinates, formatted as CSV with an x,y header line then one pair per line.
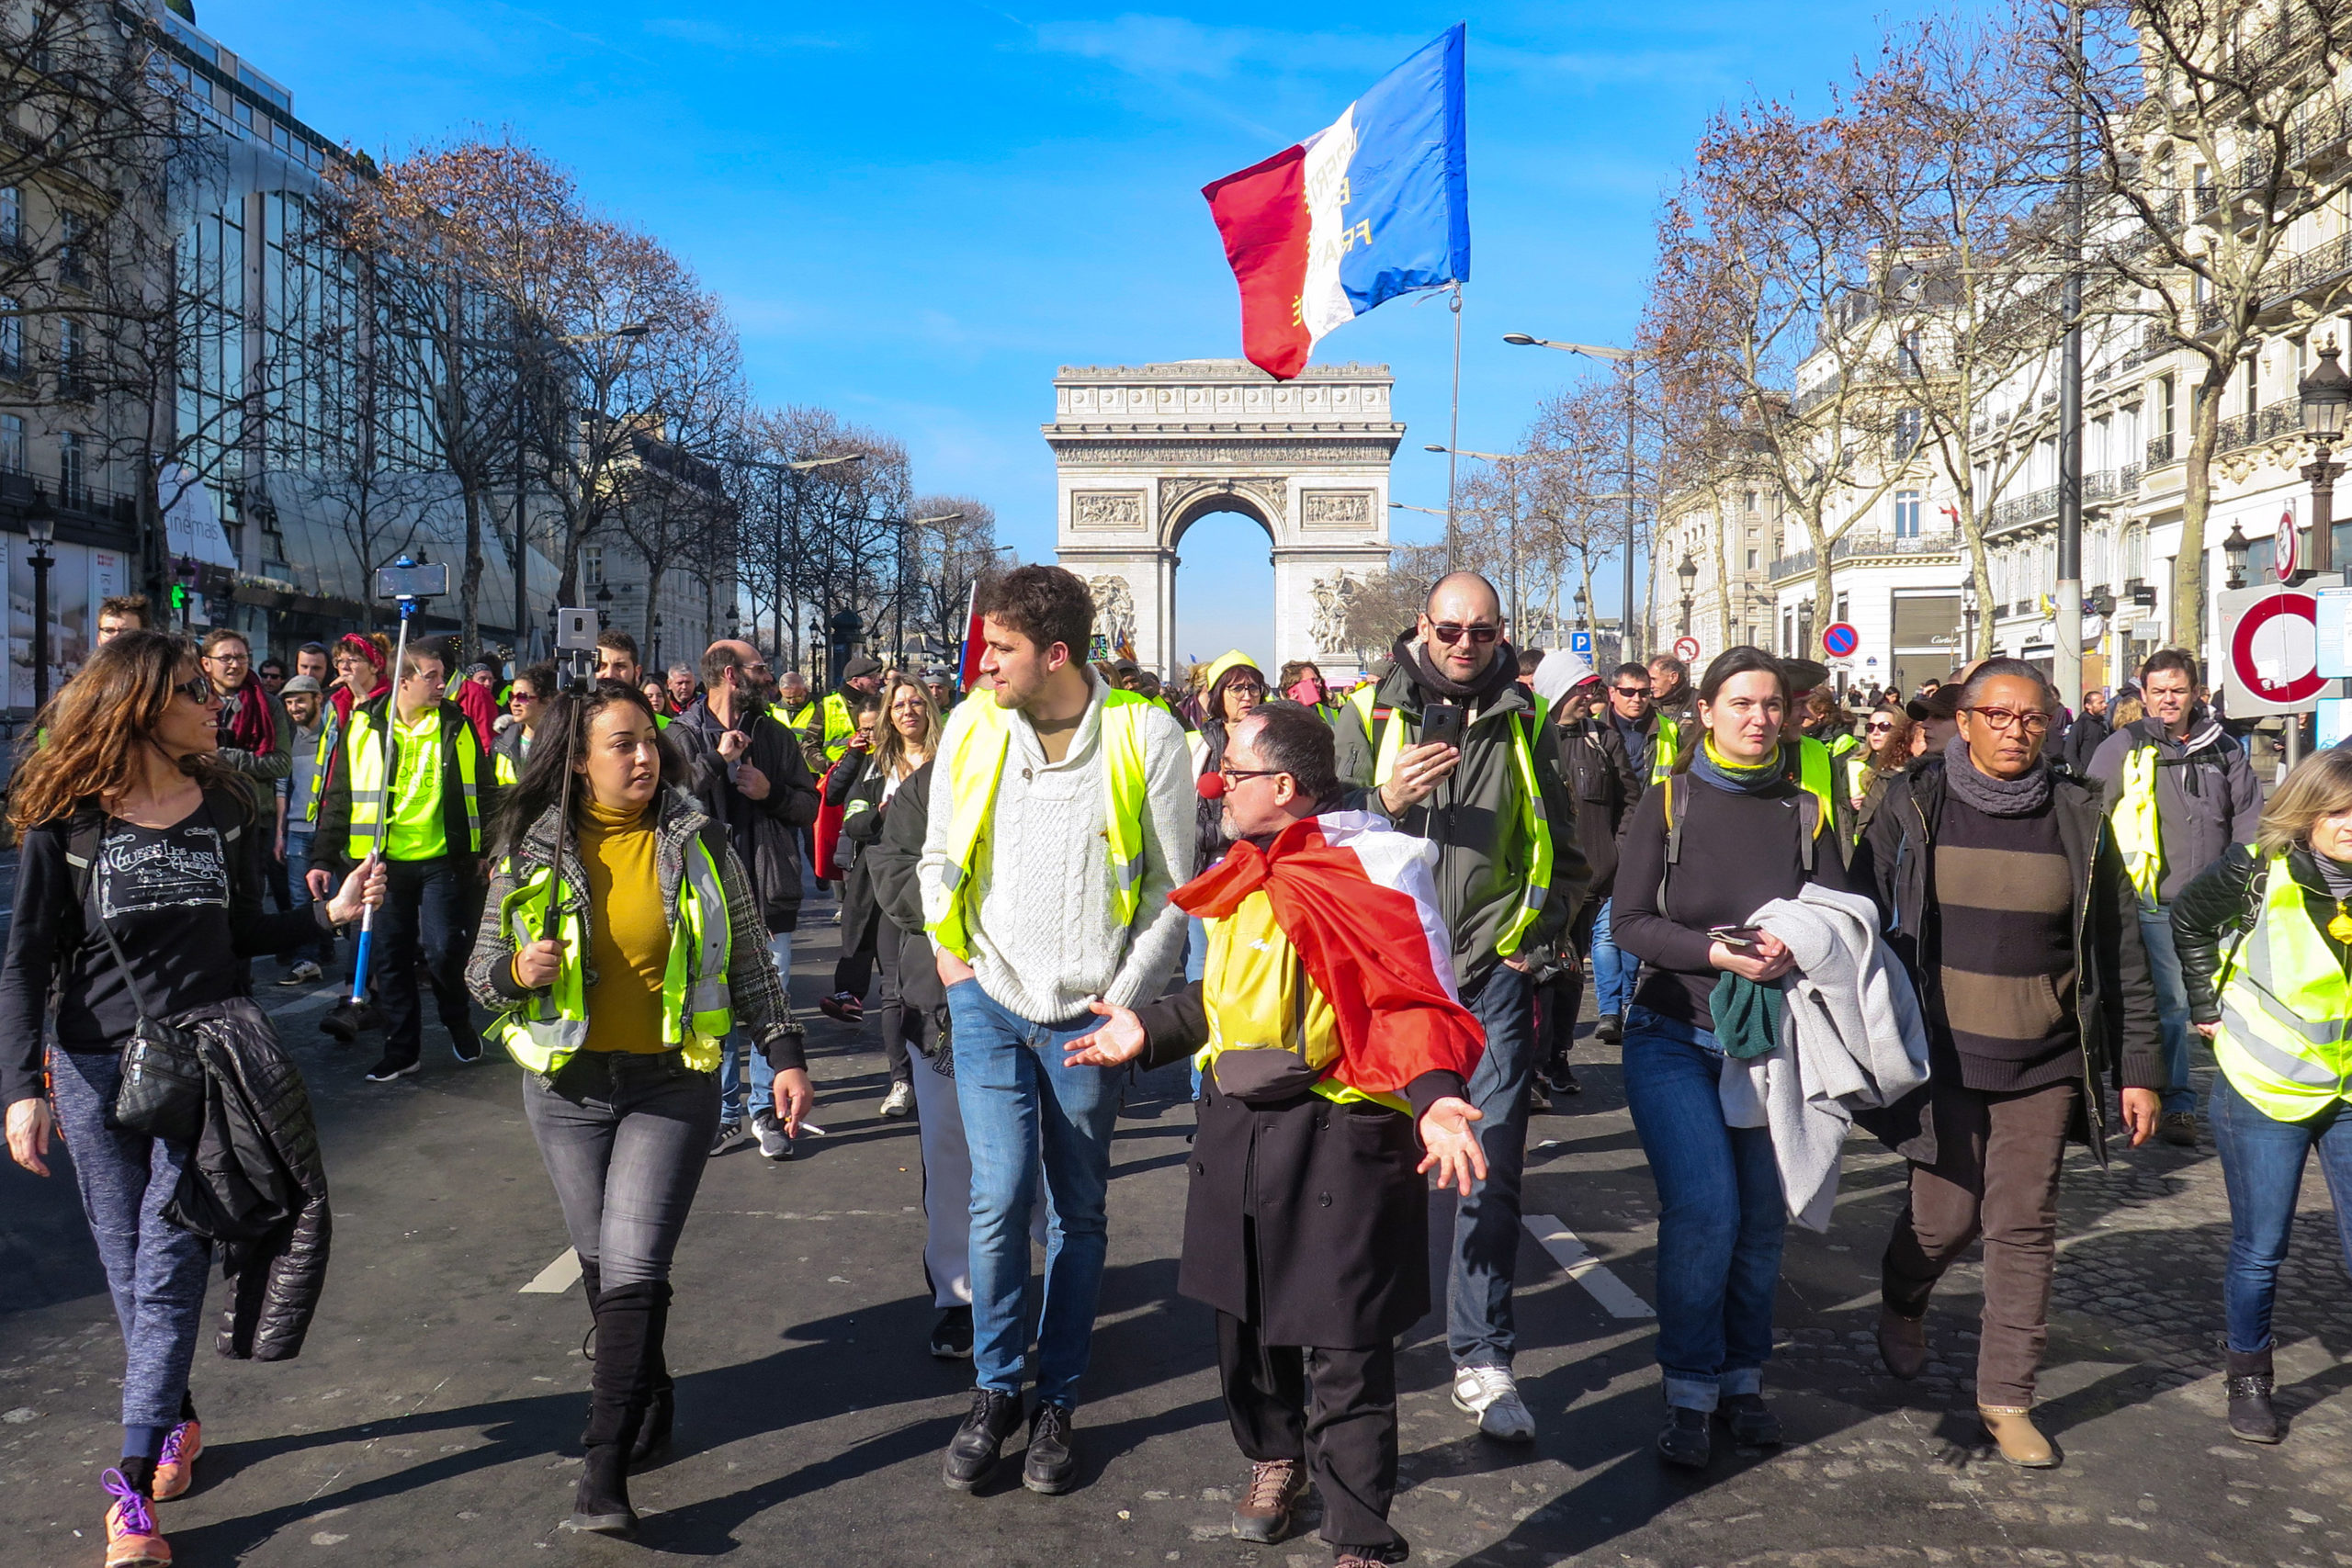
x,y
365,647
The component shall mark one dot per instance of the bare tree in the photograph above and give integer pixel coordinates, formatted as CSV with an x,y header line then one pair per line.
x,y
2199,113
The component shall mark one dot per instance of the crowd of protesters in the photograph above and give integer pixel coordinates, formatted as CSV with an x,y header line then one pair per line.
x,y
1368,917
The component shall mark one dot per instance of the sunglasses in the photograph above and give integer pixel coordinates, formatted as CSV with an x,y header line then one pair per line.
x,y
200,691
1631,691
1879,726
1449,633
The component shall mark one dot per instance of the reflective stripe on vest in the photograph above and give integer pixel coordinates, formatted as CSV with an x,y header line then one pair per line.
x,y
2139,832
1390,743
330,735
365,750
973,764
548,1029
1667,745
2286,1035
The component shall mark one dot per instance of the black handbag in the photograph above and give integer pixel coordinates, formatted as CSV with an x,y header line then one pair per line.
x,y
164,1079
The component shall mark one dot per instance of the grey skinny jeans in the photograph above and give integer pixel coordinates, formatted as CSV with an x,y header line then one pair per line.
x,y
625,1138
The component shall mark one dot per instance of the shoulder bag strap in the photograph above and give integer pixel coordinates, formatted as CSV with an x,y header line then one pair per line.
x,y
86,875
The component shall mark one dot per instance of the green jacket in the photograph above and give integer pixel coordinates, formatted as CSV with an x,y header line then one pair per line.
x,y
1474,818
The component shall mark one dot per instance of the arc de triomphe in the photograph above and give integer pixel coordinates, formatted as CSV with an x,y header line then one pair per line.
x,y
1145,451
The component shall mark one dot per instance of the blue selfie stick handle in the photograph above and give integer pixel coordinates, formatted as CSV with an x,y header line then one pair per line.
x,y
409,605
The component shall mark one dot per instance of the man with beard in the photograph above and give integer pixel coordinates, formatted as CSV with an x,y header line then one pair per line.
x,y
1451,747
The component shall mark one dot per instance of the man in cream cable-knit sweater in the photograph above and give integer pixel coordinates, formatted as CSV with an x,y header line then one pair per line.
x,y
1061,818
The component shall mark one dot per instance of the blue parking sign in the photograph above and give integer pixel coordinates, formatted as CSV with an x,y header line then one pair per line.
x,y
1580,642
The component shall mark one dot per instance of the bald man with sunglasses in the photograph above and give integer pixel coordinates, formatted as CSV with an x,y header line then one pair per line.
x,y
1442,743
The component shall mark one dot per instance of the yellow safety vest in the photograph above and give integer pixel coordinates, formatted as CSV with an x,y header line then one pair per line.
x,y
799,723
1258,997
975,761
503,767
330,735
546,1031
1389,743
1667,748
1815,776
2139,832
2286,1035
839,726
421,810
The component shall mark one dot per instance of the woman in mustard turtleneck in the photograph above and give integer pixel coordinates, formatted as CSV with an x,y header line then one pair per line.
x,y
618,1017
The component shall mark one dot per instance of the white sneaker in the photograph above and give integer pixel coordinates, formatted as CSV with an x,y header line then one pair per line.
x,y
899,1101
1491,1394
304,973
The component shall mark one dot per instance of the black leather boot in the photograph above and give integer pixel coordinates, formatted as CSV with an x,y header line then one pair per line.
x,y
653,1443
2252,1419
619,1391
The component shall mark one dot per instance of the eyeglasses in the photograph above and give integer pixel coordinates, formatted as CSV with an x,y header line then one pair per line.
x,y
1449,633
200,691
1229,774
2003,720
225,657
1247,688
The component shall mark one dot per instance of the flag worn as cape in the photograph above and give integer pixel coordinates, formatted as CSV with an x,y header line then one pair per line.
x,y
1357,901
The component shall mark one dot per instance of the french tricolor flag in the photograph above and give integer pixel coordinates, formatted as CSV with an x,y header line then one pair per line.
x,y
1374,206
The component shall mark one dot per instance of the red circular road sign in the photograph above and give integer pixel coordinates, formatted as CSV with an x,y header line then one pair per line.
x,y
2274,648
1838,639
2283,546
1686,648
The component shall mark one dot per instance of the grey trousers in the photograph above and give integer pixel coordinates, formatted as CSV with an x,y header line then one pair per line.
x,y
625,1138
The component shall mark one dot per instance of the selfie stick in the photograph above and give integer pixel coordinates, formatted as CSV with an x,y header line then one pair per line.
x,y
578,690
410,603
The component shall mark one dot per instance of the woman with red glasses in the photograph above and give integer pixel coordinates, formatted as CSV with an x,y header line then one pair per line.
x,y
159,919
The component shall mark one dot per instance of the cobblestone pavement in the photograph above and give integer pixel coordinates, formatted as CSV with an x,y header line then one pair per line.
x,y
434,1415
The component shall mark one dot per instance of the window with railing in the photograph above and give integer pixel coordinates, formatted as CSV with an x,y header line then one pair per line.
x,y
12,443
73,369
73,470
1906,514
72,247
12,339
12,220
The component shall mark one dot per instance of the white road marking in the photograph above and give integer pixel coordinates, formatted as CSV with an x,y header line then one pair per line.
x,y
1568,1250
556,1278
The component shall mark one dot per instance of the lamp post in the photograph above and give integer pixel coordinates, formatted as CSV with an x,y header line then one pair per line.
x,y
604,603
1628,364
817,676
2234,550
1688,572
41,529
2324,393
656,643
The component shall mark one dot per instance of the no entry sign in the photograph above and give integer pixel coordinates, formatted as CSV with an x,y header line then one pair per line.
x,y
2270,636
1838,639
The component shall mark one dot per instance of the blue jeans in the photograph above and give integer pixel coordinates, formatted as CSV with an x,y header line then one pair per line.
x,y
1721,1214
298,885
1019,1099
1612,970
738,1046
154,1269
1478,1324
2262,1164
2172,1005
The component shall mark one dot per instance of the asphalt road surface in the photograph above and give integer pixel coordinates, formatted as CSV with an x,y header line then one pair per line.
x,y
434,1415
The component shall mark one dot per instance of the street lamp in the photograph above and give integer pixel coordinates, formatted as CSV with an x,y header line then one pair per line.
x,y
2234,550
2324,394
1688,572
656,643
40,528
1628,364
604,600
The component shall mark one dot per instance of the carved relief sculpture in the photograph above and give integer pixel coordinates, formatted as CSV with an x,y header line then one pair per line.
x,y
1335,509
1114,609
1333,596
1106,508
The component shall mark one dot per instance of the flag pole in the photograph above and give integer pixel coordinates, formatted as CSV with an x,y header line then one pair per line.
x,y
1454,435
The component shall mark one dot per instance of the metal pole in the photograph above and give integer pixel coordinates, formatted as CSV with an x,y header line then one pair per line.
x,y
2323,475
522,545
2067,657
1453,436
1626,643
40,627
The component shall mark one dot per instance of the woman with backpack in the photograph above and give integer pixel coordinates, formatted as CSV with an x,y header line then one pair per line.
x,y
1740,832
618,1020
158,917
2265,937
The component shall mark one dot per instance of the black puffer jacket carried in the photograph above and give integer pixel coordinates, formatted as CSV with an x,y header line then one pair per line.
x,y
257,1184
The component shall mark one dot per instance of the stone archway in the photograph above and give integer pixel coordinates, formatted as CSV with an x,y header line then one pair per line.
x,y
1141,452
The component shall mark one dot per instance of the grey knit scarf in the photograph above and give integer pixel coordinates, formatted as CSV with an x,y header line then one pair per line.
x,y
1995,798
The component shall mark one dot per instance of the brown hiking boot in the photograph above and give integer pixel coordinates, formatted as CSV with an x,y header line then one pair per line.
x,y
2019,1440
1276,1487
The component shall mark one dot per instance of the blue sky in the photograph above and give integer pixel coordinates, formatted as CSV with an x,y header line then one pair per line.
x,y
917,212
